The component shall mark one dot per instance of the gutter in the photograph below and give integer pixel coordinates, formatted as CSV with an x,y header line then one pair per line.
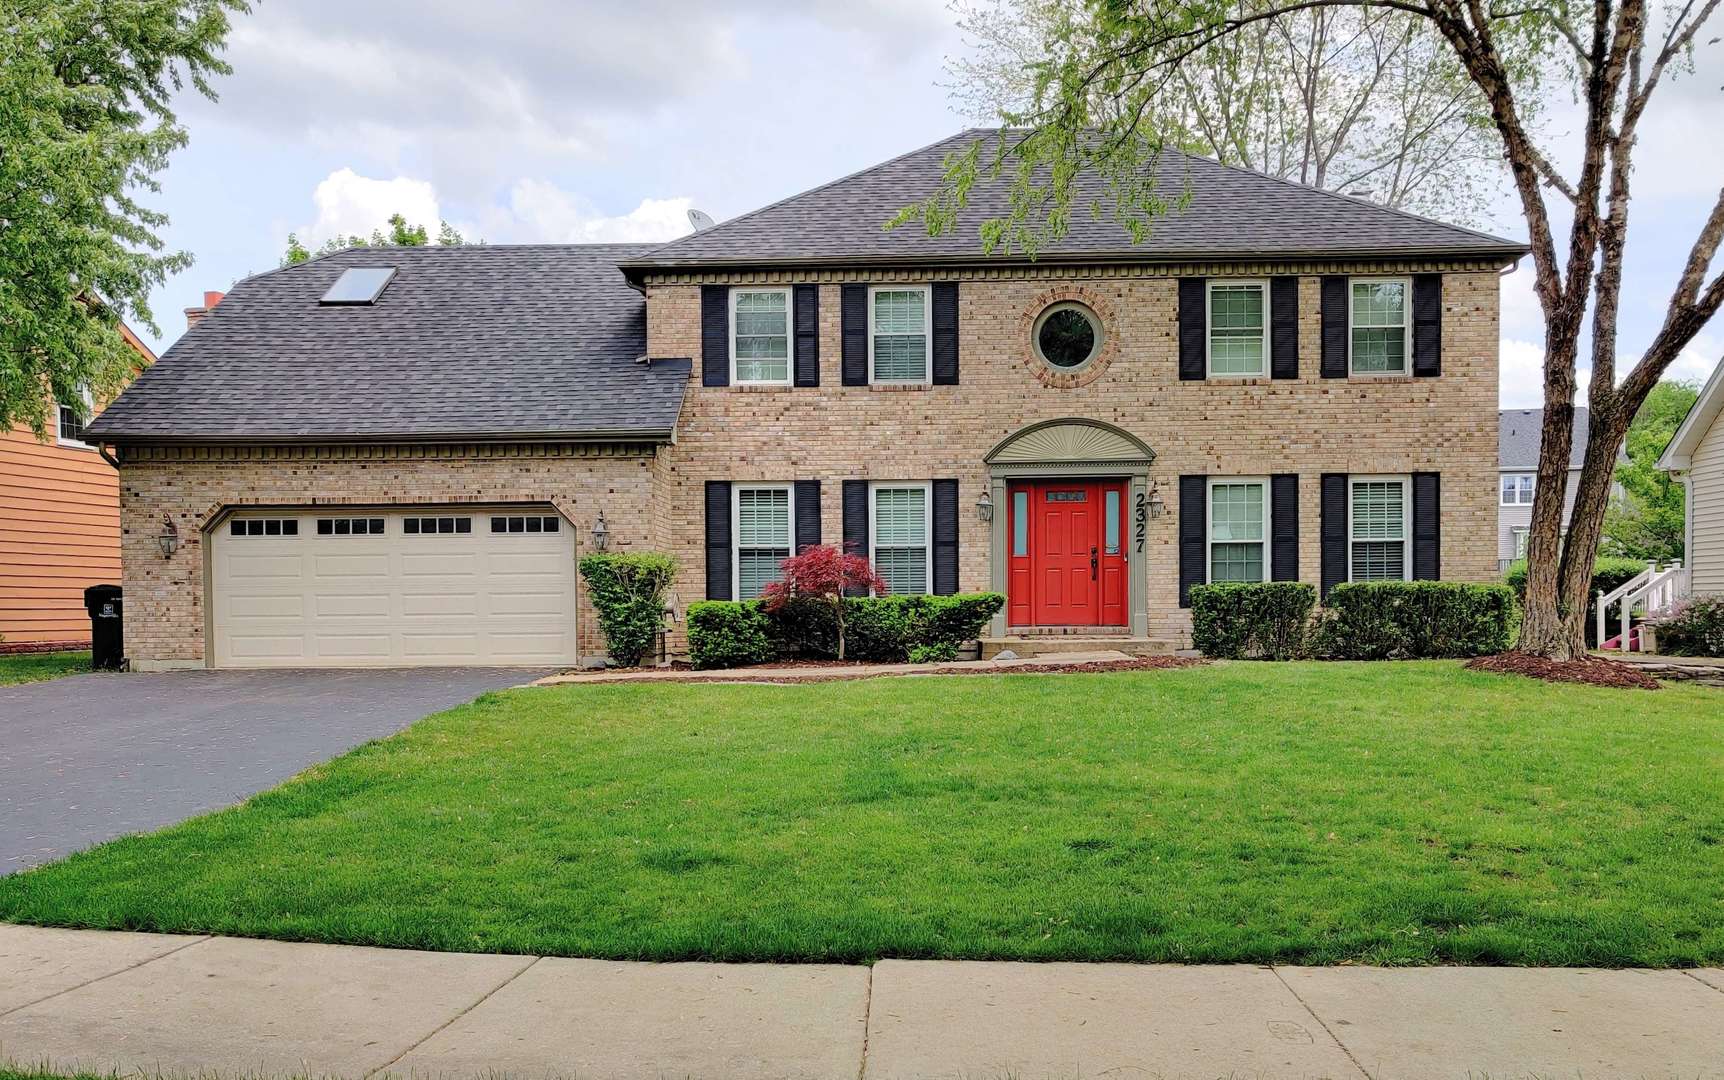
x,y
656,436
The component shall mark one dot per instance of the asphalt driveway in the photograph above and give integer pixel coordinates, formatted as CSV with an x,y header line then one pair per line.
x,y
87,758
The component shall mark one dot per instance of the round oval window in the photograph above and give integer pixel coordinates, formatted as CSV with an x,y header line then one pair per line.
x,y
1068,335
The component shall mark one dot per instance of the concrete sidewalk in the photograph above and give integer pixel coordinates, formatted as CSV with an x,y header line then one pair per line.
x,y
231,1007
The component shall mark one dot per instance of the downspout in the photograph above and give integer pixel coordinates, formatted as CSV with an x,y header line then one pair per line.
x,y
102,449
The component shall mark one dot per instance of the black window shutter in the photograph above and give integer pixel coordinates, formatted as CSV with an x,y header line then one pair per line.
x,y
945,319
715,335
945,537
1193,358
1334,530
856,519
1427,527
1284,526
1335,327
1427,325
807,335
854,316
1193,531
1284,328
718,553
807,514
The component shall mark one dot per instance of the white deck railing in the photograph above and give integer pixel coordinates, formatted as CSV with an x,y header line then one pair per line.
x,y
1654,590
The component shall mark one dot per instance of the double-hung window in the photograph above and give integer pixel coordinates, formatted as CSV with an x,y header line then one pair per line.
x,y
762,517
1377,527
1520,536
71,417
899,330
1517,489
1380,332
1238,316
899,537
1238,529
760,336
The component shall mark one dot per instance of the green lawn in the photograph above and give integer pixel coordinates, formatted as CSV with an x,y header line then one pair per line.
x,y
1311,813
35,667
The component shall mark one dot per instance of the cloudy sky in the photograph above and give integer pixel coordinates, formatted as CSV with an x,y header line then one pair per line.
x,y
547,121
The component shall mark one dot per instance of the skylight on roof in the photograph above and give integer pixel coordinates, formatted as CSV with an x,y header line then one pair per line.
x,y
359,285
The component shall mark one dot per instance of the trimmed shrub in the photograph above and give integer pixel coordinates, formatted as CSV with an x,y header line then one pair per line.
x,y
628,591
881,629
943,652
1694,629
1413,620
1607,573
1234,620
727,633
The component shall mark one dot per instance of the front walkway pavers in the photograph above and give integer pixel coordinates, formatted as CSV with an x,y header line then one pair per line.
x,y
1504,1022
227,1008
936,1019
594,1018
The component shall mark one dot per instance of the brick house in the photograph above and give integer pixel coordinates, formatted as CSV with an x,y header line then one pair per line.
x,y
395,457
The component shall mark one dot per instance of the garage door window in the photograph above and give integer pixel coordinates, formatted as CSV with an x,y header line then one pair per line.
x,y
265,527
426,526
350,526
528,523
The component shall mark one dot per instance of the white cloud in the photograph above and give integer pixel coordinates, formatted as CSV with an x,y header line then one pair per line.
x,y
1520,384
540,212
1697,362
349,204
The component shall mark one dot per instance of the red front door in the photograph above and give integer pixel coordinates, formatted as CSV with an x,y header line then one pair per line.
x,y
1066,557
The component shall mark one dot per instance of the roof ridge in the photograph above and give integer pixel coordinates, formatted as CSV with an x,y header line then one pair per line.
x,y
757,211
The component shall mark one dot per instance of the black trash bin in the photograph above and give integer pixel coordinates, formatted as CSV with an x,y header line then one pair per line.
x,y
107,637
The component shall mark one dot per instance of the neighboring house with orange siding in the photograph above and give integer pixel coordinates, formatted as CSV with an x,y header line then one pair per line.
x,y
59,528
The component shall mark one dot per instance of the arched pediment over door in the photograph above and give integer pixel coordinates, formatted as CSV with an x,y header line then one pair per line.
x,y
1071,441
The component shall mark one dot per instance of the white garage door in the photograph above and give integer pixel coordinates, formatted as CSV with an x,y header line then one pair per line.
x,y
396,589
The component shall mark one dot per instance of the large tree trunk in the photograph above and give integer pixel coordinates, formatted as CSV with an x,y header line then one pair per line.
x,y
1586,525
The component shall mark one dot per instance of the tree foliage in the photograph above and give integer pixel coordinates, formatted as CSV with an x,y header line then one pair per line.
x,y
400,234
1647,523
824,574
1365,100
86,123
1100,68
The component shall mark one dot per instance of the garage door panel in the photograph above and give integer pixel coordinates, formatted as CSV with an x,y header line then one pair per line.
x,y
392,597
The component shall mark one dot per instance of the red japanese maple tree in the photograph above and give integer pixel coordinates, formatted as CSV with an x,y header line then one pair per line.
x,y
823,573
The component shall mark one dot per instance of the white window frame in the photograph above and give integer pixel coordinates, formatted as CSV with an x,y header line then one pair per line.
x,y
927,292
789,334
1406,482
927,489
1209,288
1209,523
1517,540
1406,284
1517,477
89,415
736,490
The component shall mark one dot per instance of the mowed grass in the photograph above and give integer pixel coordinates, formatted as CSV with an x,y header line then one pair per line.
x,y
1306,813
35,667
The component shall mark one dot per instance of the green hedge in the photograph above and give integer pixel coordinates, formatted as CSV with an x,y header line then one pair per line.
x,y
628,592
1235,620
1695,629
723,633
1413,620
1607,573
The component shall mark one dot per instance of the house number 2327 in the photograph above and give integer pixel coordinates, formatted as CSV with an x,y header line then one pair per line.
x,y
1141,516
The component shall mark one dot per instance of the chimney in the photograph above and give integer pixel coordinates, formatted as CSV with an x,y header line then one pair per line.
x,y
194,314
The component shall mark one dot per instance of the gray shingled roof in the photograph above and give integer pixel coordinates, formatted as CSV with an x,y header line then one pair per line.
x,y
488,342
1519,431
1233,212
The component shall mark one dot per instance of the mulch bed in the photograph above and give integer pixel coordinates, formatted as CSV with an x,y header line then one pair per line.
x,y
1591,670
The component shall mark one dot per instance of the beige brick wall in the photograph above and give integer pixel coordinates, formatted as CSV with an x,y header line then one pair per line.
x,y
1308,426
165,606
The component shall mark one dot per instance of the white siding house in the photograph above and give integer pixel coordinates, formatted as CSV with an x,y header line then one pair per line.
x,y
1518,436
1696,457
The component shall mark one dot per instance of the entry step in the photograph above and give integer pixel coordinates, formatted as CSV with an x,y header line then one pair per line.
x,y
1039,645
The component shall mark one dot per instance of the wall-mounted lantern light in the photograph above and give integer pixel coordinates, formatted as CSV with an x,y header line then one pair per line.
x,y
601,533
984,508
169,538
1156,506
